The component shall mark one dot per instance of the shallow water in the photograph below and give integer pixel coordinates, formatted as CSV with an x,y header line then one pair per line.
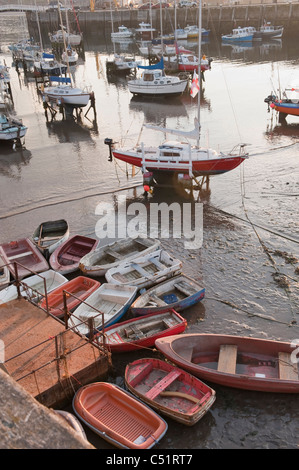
x,y
249,258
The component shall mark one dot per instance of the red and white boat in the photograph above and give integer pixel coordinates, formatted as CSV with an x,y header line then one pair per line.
x,y
180,157
142,332
169,390
188,62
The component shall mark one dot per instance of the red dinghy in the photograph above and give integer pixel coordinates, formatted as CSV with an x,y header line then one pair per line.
x,y
82,287
118,417
26,254
66,258
235,361
170,390
142,332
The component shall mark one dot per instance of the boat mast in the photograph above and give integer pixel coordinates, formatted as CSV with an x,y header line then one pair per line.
x,y
64,42
199,66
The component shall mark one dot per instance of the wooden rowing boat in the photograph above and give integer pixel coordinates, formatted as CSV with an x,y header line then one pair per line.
x,y
109,256
28,258
33,287
146,270
142,332
170,390
104,307
49,235
81,287
118,417
178,293
66,258
235,361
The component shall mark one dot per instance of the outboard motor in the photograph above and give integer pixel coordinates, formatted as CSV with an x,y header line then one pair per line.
x,y
270,100
110,144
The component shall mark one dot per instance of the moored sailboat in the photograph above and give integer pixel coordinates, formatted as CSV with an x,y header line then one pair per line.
x,y
174,157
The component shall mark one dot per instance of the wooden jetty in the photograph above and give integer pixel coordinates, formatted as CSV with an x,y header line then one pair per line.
x,y
49,361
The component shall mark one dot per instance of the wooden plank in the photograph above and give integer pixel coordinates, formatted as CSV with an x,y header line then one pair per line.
x,y
157,300
162,384
20,255
227,358
187,290
287,369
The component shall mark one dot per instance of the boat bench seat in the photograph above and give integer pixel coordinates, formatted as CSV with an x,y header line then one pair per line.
x,y
20,255
287,369
157,300
113,253
187,290
227,360
162,384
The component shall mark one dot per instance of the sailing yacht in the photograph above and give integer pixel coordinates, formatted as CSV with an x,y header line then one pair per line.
x,y
179,156
64,91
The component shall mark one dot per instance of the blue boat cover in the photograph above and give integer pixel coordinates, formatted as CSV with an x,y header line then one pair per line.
x,y
60,79
48,56
159,65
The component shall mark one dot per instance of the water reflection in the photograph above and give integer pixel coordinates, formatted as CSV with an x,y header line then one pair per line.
x,y
71,131
13,161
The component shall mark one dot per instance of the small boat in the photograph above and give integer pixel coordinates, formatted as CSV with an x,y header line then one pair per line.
x,y
4,274
235,361
29,259
11,129
238,34
81,287
123,32
169,390
178,293
145,30
142,332
154,82
49,235
193,32
67,256
60,36
118,417
145,271
188,62
106,306
69,56
121,64
33,287
288,104
48,65
65,92
72,421
270,31
97,262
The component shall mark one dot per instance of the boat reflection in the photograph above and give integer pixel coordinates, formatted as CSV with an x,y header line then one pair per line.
x,y
155,108
13,161
71,131
283,129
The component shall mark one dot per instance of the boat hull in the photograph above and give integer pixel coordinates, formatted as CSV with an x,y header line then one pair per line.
x,y
26,255
169,297
118,417
105,306
97,262
172,89
34,286
81,287
66,258
131,335
260,365
286,108
199,168
186,399
49,235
